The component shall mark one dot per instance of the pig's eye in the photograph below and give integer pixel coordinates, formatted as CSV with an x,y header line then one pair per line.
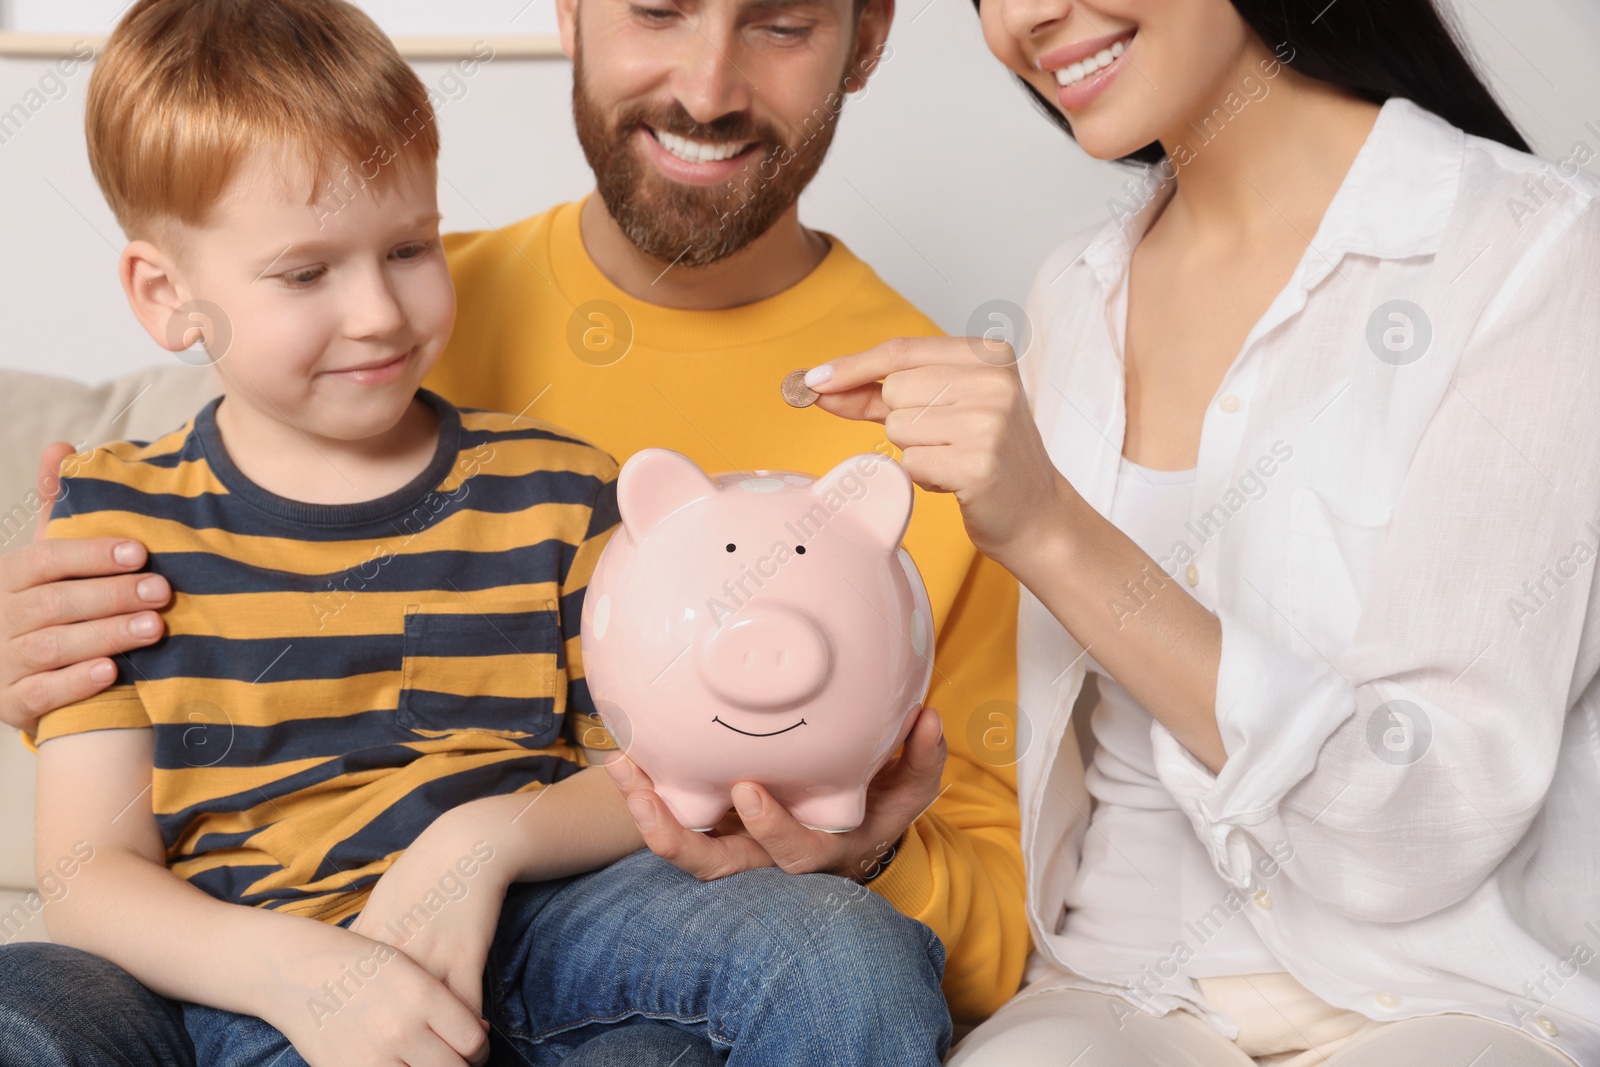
x,y
730,548
801,549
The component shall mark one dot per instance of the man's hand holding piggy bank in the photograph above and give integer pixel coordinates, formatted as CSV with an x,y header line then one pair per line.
x,y
761,627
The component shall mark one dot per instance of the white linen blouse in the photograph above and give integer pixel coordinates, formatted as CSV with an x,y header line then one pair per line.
x,y
1157,883
1396,516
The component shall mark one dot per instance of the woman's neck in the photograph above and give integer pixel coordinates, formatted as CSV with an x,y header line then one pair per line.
x,y
1262,151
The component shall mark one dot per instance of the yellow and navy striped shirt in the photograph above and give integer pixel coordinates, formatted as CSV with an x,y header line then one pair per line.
x,y
335,676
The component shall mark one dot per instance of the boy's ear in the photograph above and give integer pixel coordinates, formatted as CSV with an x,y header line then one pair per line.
x,y
152,291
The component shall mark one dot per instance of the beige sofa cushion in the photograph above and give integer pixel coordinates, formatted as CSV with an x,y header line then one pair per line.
x,y
36,409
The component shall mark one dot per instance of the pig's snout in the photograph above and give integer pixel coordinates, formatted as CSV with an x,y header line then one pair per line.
x,y
765,657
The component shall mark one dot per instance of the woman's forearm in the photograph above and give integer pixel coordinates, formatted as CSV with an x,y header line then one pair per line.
x,y
185,944
1139,623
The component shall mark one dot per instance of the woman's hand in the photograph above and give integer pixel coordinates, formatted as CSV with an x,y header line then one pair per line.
x,y
956,409
763,834
439,903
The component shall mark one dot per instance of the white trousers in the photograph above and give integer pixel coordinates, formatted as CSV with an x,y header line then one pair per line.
x,y
1281,1024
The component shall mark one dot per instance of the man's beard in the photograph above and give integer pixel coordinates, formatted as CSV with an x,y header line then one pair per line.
x,y
694,225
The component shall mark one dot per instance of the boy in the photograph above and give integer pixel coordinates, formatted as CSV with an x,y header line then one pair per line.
x,y
343,805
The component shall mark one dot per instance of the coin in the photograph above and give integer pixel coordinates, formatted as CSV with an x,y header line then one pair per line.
x,y
796,393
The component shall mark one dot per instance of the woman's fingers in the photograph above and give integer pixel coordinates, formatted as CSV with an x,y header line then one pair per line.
x,y
863,403
916,391
878,362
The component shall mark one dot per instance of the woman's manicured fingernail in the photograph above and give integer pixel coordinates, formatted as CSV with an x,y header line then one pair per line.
x,y
129,554
643,813
817,375
102,672
747,800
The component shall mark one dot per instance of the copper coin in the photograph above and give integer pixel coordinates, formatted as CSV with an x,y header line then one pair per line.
x,y
796,393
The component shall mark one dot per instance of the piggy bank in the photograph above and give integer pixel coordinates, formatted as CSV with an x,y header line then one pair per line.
x,y
762,626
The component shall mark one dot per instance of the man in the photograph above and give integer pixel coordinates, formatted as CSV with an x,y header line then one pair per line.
x,y
662,312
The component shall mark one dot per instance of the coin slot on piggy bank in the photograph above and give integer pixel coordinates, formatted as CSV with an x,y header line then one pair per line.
x,y
761,626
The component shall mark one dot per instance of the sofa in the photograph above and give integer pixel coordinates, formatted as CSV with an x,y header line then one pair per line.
x,y
36,409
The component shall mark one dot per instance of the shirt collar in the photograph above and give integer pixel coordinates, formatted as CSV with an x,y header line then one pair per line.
x,y
1393,203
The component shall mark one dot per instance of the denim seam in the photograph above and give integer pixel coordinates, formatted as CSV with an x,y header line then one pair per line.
x,y
590,1020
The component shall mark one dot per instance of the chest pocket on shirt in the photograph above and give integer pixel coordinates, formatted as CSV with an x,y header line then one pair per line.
x,y
1331,558
466,670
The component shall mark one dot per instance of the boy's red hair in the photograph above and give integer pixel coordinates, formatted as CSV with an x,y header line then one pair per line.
x,y
185,90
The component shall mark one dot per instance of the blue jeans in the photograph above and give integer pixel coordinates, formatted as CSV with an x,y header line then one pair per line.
x,y
640,963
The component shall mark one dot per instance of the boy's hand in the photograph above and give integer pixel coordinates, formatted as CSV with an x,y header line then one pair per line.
x,y
354,1002
65,606
439,904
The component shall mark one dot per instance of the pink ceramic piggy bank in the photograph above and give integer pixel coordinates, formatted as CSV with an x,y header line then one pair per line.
x,y
762,627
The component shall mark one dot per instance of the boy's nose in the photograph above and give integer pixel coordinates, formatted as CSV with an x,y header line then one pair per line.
x,y
374,311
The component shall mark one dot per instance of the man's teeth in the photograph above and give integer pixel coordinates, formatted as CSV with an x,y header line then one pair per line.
x,y
1078,71
697,151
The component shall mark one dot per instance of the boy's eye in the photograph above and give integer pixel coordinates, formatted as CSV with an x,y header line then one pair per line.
x,y
411,251
304,277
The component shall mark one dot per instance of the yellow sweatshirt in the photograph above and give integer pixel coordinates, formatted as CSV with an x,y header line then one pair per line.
x,y
542,331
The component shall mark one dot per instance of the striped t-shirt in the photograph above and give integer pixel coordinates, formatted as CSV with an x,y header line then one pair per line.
x,y
335,676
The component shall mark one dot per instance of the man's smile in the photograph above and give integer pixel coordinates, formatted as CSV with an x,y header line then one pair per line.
x,y
692,151
691,162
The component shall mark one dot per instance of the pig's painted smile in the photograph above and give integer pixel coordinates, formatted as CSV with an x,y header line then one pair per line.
x,y
747,733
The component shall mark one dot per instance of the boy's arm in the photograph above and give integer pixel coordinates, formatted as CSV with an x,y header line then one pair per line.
x,y
472,853
121,902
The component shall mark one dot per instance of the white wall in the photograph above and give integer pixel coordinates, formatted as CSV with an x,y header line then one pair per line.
x,y
942,176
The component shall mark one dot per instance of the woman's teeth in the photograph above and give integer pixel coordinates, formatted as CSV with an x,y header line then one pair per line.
x,y
696,151
1082,69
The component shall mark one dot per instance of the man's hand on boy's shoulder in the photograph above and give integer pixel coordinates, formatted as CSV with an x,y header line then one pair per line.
x,y
66,606
439,903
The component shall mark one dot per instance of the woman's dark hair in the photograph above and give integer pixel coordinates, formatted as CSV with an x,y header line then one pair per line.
x,y
1373,51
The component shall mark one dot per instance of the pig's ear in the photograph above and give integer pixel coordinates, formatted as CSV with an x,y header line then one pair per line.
x,y
879,505
656,482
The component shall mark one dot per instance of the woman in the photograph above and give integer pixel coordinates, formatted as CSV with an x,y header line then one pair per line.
x,y
1302,466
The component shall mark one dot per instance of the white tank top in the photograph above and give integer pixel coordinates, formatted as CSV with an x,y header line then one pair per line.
x,y
1149,883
